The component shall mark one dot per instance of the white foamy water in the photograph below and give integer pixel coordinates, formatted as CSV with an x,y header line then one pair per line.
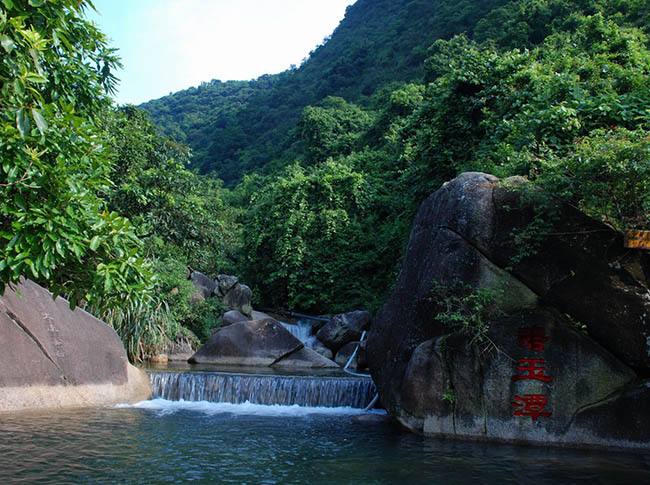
x,y
165,407
265,390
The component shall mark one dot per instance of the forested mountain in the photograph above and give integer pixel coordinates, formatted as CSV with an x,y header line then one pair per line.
x,y
337,155
236,127
333,158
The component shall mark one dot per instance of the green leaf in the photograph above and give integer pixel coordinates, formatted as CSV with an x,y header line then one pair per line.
x,y
94,243
22,122
7,44
36,78
9,4
37,3
40,121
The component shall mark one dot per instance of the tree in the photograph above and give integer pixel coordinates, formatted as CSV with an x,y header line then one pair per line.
x,y
152,186
55,73
301,233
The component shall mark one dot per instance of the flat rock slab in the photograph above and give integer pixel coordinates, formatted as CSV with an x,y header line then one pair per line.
x,y
53,356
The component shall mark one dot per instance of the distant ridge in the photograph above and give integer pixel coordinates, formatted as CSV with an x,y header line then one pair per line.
x,y
237,127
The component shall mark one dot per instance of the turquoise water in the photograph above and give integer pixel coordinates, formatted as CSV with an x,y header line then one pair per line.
x,y
170,442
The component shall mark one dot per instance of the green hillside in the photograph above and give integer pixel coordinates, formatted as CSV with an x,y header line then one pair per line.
x,y
236,127
338,154
325,165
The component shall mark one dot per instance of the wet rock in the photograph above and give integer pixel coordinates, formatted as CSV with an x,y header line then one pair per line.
x,y
257,343
343,328
322,350
373,418
621,420
344,354
54,357
304,358
235,316
443,381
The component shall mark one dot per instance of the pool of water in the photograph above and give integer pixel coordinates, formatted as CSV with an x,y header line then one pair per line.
x,y
166,442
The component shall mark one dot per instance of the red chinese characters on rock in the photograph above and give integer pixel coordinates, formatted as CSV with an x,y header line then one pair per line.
x,y
533,339
532,370
531,405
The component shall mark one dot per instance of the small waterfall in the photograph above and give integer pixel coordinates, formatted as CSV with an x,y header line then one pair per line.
x,y
305,391
302,330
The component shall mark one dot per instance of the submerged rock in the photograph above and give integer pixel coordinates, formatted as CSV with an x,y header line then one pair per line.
x,y
531,376
343,329
54,357
257,343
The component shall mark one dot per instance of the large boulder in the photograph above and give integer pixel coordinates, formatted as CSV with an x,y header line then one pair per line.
x,y
343,329
452,387
257,343
224,284
181,348
235,316
54,357
573,262
322,350
204,284
305,358
234,295
344,354
453,381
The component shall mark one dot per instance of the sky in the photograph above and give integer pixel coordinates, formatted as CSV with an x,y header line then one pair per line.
x,y
169,45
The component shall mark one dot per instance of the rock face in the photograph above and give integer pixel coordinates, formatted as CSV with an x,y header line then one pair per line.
x,y
344,354
258,343
182,347
235,316
532,377
343,329
203,283
234,295
53,357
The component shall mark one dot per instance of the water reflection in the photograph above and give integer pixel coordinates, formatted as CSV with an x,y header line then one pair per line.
x,y
147,446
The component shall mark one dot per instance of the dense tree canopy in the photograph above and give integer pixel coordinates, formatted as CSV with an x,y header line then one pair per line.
x,y
236,128
336,155
566,105
55,71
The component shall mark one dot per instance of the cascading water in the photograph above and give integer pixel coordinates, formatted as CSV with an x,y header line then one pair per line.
x,y
302,330
218,387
